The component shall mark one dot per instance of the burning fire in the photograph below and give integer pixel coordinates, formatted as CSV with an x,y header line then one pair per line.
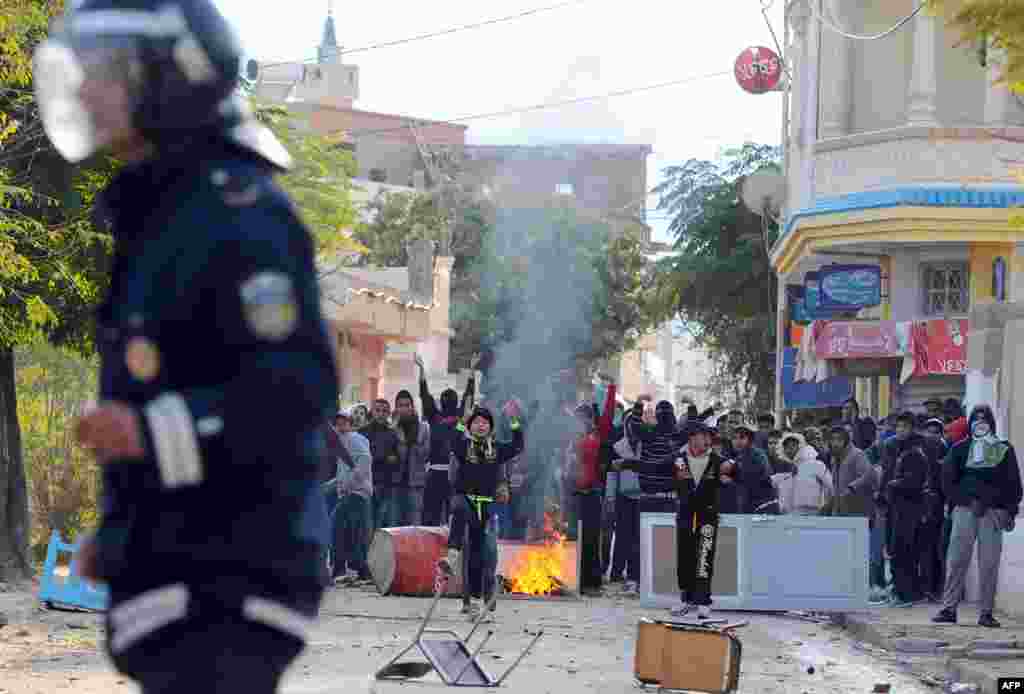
x,y
538,570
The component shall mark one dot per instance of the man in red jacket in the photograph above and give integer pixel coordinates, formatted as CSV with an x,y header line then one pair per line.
x,y
589,484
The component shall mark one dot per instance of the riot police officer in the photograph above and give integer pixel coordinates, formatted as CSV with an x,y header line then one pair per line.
x,y
216,368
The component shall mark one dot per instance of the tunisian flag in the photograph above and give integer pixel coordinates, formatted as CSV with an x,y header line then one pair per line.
x,y
940,347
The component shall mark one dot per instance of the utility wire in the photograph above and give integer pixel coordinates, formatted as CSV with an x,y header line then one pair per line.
x,y
860,37
445,32
544,106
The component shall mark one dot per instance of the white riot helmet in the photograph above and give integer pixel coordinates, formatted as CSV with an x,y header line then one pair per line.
x,y
163,68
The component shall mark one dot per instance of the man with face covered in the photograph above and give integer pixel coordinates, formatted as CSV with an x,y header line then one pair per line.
x,y
212,523
981,479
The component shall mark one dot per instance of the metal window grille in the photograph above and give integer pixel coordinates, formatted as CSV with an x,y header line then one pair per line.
x,y
946,289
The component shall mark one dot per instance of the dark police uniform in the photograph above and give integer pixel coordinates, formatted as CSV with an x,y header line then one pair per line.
x,y
213,331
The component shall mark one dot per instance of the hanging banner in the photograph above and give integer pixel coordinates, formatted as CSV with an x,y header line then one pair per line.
x,y
863,340
850,287
940,347
806,395
812,294
797,307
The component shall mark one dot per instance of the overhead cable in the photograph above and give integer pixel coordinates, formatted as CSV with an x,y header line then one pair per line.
x,y
542,107
861,37
444,32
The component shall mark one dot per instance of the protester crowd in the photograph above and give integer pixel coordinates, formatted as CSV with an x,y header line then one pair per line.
x,y
931,484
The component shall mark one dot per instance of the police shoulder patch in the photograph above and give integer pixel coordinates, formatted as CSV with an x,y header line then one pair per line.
x,y
238,188
270,305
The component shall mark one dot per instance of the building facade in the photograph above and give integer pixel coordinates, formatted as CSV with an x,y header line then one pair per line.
x,y
902,158
901,155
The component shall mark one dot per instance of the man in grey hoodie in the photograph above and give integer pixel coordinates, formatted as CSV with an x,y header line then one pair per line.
x,y
855,478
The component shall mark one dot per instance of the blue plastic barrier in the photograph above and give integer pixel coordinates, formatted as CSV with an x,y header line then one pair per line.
x,y
72,590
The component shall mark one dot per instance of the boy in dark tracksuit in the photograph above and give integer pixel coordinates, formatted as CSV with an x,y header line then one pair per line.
x,y
444,429
479,476
696,470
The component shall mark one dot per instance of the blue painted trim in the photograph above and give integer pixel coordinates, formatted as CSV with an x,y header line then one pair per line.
x,y
995,197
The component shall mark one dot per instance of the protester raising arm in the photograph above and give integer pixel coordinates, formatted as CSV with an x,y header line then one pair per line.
x,y
426,399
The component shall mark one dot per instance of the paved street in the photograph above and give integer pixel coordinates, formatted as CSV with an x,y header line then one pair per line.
x,y
587,647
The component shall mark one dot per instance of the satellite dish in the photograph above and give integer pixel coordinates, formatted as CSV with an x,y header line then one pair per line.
x,y
764,191
252,70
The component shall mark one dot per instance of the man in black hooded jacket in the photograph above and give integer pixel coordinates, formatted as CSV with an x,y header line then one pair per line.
x,y
695,472
903,488
445,427
981,480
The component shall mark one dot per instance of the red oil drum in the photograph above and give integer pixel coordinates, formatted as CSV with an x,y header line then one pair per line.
x,y
403,561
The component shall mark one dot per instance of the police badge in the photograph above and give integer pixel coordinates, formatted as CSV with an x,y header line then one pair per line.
x,y
270,307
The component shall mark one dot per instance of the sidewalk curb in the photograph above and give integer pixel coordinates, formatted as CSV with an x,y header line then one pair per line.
x,y
973,673
959,669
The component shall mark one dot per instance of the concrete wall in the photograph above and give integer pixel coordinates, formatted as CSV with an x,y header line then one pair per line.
x,y
996,375
881,69
962,81
603,178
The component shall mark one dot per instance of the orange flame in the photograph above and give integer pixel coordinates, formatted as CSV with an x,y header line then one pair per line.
x,y
539,570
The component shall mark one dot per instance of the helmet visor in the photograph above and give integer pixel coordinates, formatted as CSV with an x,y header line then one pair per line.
x,y
83,87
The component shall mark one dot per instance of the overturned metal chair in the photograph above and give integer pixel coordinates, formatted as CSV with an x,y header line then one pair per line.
x,y
451,657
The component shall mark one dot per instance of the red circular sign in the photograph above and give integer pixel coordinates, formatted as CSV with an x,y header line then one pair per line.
x,y
758,70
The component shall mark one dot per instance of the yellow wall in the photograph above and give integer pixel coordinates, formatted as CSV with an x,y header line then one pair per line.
x,y
1016,278
982,256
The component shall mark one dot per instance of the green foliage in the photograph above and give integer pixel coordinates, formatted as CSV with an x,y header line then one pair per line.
x,y
51,257
721,283
397,219
1000,21
558,285
462,226
53,386
318,183
511,264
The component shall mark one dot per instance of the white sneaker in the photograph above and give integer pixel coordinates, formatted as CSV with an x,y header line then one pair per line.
x,y
451,563
471,609
704,612
682,610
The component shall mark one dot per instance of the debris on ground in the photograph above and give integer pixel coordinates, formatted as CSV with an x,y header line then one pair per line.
x,y
1007,643
912,645
996,654
882,688
963,688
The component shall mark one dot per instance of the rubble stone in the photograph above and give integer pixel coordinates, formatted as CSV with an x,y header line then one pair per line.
x,y
914,645
985,644
996,653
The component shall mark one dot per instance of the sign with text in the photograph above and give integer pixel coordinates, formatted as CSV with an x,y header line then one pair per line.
x,y
866,340
850,287
758,70
797,308
812,298
940,347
